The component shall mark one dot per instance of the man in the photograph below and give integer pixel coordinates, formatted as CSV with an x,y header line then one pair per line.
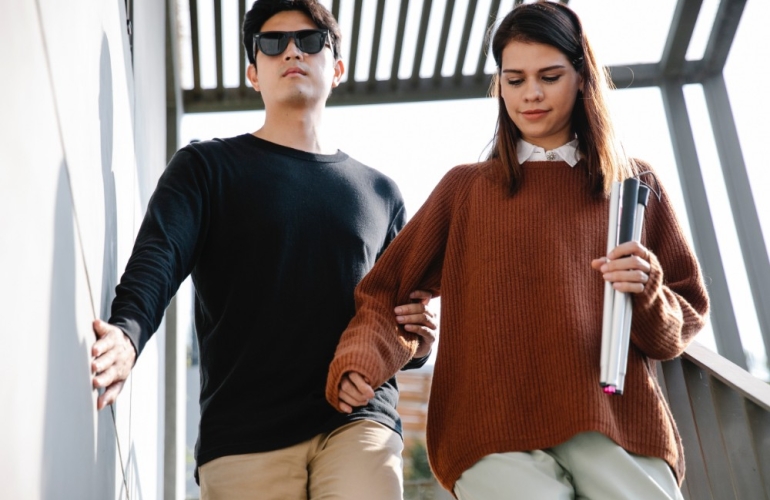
x,y
276,230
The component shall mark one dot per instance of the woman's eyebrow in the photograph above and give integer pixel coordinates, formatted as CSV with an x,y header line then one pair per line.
x,y
541,70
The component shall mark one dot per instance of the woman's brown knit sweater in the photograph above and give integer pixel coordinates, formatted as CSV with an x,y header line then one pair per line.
x,y
521,317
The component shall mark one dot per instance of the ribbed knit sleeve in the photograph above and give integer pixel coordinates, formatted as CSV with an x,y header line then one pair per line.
x,y
373,344
165,250
674,304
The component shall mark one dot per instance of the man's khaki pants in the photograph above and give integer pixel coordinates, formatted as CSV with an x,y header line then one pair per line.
x,y
361,460
589,466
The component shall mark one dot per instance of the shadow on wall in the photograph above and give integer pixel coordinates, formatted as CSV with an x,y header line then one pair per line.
x,y
133,473
78,459
110,267
79,454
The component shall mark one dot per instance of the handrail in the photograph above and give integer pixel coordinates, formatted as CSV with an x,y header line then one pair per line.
x,y
730,374
723,415
721,410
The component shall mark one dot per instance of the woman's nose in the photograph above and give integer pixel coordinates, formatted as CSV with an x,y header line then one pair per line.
x,y
533,92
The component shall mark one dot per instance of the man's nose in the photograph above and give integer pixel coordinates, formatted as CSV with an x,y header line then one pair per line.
x,y
292,51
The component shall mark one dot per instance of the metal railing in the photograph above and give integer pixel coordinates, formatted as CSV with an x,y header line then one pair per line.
x,y
721,410
723,416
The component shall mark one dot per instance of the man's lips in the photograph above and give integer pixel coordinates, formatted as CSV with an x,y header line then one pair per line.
x,y
293,71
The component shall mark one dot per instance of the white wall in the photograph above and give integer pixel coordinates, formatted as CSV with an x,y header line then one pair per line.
x,y
71,169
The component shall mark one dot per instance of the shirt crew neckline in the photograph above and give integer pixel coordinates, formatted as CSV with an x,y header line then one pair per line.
x,y
550,164
296,153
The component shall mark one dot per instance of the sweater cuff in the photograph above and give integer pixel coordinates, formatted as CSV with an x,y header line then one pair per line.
x,y
416,363
646,298
133,331
375,365
657,327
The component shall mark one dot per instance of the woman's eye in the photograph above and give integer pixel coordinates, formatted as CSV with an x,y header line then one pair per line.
x,y
515,83
551,79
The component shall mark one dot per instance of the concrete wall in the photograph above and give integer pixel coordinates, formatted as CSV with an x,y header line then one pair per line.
x,y
82,141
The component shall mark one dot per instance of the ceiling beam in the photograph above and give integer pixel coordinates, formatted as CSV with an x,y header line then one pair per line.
x,y
419,49
376,40
396,65
443,38
242,60
494,8
195,42
679,36
470,15
722,35
218,44
422,89
354,40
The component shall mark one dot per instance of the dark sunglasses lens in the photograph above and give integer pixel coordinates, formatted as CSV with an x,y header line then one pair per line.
x,y
310,41
272,44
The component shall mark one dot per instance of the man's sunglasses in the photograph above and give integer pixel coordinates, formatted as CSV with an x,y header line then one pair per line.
x,y
273,43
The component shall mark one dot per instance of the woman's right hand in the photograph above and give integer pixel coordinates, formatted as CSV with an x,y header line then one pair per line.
x,y
627,267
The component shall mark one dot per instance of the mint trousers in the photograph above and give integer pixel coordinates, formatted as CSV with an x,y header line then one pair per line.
x,y
590,466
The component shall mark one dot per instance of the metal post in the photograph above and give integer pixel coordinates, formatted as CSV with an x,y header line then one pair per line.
x,y
744,209
175,347
725,327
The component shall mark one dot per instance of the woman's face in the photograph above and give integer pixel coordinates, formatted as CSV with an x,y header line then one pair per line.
x,y
539,87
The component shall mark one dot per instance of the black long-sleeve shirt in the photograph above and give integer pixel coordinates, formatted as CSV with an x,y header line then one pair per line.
x,y
276,240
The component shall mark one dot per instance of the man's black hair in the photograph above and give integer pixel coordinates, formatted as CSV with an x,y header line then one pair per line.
x,y
262,10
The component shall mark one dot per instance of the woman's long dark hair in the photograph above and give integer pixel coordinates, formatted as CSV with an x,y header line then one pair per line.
x,y
556,25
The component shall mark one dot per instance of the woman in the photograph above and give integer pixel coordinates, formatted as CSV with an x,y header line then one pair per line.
x,y
516,247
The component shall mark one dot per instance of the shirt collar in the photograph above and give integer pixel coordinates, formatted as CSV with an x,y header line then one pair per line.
x,y
529,152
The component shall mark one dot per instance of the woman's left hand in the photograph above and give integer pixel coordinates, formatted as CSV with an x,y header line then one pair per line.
x,y
627,267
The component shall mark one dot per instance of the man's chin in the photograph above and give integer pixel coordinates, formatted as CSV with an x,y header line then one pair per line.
x,y
301,97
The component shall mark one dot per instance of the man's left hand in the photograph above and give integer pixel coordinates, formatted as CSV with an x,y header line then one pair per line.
x,y
418,319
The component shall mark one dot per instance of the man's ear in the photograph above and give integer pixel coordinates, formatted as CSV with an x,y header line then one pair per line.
x,y
251,74
339,70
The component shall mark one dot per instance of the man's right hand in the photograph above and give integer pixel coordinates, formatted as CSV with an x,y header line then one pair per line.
x,y
354,391
113,357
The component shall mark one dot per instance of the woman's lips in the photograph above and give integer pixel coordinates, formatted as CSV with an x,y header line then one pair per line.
x,y
534,114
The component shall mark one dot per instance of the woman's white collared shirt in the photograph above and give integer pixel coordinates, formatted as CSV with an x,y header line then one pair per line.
x,y
529,152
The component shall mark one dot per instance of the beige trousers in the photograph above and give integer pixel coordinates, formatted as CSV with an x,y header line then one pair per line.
x,y
361,460
589,466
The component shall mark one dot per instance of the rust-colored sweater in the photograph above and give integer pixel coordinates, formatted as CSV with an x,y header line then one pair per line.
x,y
521,317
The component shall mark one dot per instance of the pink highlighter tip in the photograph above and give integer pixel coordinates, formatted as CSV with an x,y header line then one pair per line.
x,y
609,390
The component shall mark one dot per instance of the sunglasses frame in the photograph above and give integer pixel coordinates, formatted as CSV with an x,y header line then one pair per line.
x,y
290,35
